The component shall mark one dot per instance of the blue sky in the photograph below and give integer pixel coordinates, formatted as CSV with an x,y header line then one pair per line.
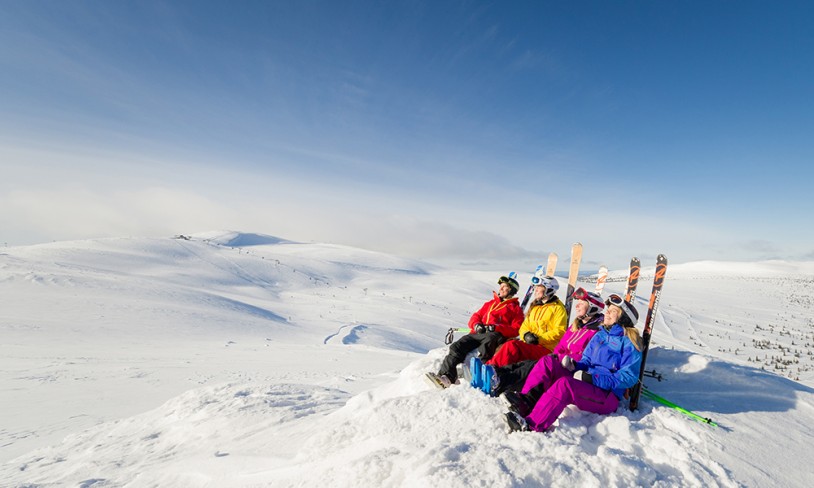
x,y
460,130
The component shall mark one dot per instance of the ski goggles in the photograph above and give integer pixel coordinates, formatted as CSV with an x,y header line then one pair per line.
x,y
620,302
541,279
592,298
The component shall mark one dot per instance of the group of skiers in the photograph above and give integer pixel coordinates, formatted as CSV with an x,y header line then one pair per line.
x,y
540,364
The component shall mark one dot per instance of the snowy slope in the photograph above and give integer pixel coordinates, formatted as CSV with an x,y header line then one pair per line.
x,y
234,359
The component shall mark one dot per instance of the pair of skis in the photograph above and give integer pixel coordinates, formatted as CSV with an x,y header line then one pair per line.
x,y
573,272
550,268
652,307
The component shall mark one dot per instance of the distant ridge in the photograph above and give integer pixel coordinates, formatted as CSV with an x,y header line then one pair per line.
x,y
240,239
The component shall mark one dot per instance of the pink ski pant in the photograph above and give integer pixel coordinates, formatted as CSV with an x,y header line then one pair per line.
x,y
561,390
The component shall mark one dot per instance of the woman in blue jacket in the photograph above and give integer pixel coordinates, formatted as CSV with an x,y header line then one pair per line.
x,y
609,365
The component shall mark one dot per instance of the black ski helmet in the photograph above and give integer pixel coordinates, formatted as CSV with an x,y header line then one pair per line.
x,y
511,281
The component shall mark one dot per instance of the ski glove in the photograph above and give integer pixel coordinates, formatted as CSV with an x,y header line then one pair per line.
x,y
568,363
584,376
482,329
530,338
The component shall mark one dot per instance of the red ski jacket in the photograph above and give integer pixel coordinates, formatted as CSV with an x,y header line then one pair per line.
x,y
505,315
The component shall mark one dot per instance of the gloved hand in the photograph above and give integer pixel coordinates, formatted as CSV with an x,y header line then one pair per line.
x,y
530,338
584,376
480,328
568,363
490,328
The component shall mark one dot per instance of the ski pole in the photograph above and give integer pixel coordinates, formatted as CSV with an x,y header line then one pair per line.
x,y
451,331
649,394
653,374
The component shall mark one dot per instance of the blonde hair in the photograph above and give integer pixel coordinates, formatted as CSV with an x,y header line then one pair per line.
x,y
632,333
577,324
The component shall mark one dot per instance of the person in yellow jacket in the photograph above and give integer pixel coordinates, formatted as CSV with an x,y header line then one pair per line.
x,y
541,330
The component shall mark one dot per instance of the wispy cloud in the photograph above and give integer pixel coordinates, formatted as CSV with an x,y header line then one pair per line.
x,y
42,216
761,246
430,239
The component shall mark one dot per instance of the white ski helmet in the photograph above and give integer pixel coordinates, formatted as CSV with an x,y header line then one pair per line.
x,y
630,316
549,282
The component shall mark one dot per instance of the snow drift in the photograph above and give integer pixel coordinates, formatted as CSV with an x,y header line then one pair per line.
x,y
140,362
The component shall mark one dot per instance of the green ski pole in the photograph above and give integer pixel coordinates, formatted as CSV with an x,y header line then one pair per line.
x,y
649,394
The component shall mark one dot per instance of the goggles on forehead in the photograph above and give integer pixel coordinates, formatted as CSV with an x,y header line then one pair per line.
x,y
543,280
592,298
615,299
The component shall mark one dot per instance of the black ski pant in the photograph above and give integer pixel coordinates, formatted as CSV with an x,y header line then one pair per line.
x,y
513,376
486,344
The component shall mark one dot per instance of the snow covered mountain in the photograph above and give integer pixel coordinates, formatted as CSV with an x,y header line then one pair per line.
x,y
234,359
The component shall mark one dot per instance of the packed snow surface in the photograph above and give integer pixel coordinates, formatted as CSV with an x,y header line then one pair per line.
x,y
237,359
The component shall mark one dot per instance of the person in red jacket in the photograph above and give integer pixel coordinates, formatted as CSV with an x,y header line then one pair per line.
x,y
497,321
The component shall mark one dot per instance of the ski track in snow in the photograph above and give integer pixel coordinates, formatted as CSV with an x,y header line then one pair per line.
x,y
688,322
336,334
380,335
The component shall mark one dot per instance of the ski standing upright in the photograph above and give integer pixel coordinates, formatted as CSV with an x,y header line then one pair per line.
x,y
576,258
601,278
551,266
531,287
633,279
652,307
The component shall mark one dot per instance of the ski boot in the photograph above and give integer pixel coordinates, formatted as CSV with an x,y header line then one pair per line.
x,y
439,381
516,422
490,382
518,402
475,369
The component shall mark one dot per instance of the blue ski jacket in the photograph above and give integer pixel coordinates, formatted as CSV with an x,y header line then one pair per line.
x,y
612,360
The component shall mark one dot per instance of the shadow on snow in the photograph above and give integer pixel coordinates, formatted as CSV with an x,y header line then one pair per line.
x,y
698,383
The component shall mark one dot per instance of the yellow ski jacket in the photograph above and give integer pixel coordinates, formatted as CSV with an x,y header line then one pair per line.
x,y
547,321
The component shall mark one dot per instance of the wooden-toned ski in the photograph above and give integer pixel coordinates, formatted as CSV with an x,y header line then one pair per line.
x,y
573,271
